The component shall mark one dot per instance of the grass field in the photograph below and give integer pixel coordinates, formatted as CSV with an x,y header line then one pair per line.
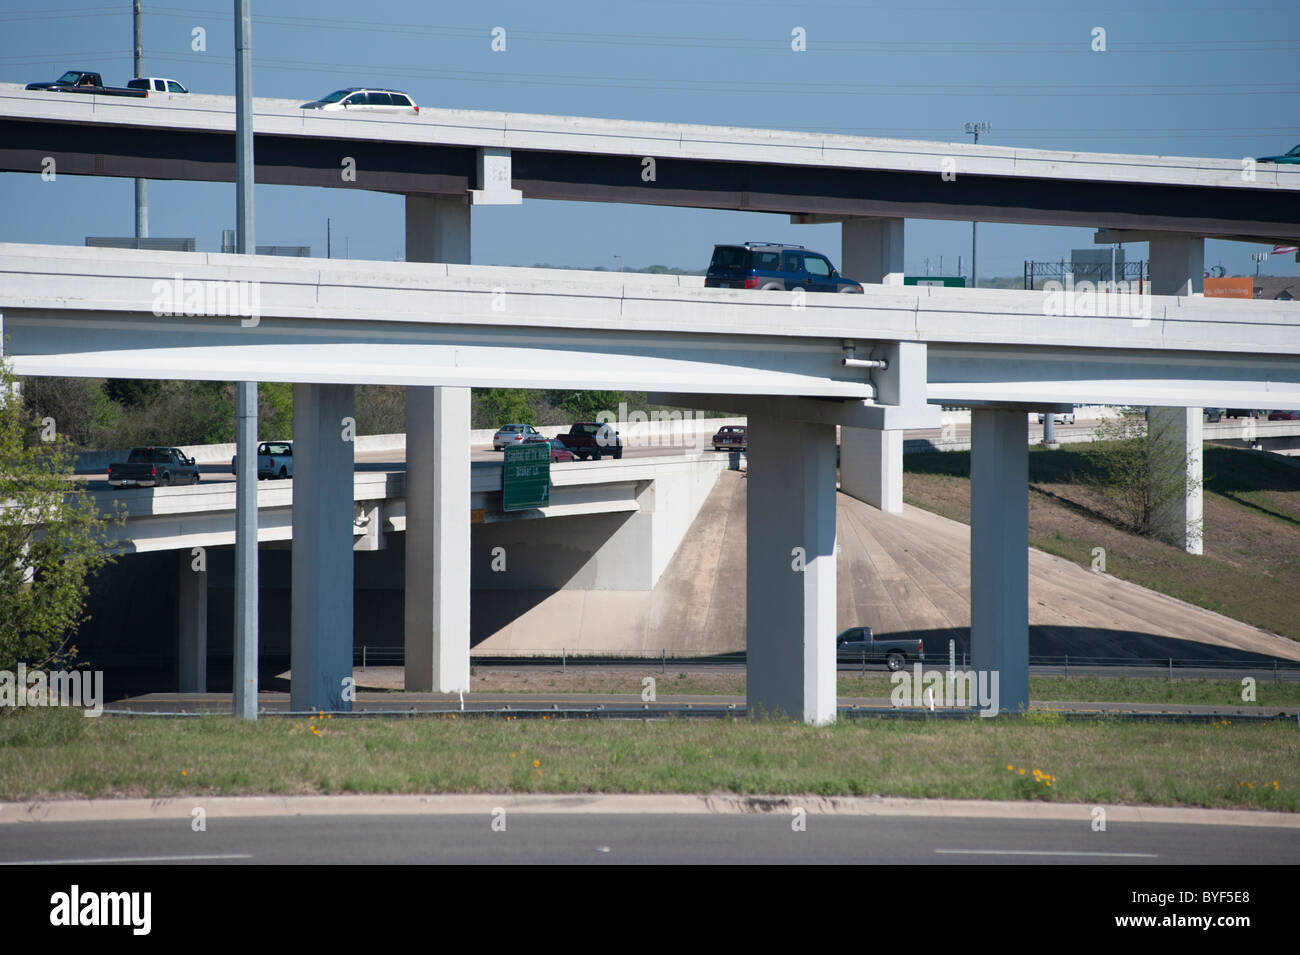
x,y
1251,566
46,754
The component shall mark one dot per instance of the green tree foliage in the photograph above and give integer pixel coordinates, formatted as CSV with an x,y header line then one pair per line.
x,y
274,411
380,409
498,406
81,409
1140,471
132,392
585,405
52,538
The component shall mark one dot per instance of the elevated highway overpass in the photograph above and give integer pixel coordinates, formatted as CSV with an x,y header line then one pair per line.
x,y
506,157
439,326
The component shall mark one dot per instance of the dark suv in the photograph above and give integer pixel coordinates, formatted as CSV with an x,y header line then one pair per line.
x,y
771,265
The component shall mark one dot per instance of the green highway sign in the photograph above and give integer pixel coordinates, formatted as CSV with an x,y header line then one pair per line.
x,y
947,281
526,477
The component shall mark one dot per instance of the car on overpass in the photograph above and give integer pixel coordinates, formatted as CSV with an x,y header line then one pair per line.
x,y
775,266
511,434
559,453
1288,157
731,437
274,461
154,467
1059,417
155,84
365,100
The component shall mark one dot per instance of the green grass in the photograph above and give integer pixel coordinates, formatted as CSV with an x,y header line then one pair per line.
x,y
48,754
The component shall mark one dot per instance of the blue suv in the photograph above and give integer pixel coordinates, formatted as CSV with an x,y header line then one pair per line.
x,y
773,265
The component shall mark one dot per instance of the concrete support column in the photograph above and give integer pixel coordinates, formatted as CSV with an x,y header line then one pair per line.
x,y
1180,518
1178,268
999,551
871,467
321,638
437,539
437,229
1177,265
437,483
790,569
871,250
871,461
191,623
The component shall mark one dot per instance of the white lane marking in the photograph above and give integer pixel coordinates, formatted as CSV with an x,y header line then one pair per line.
x,y
1042,852
205,858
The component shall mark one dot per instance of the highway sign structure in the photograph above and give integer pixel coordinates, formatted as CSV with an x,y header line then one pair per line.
x,y
526,477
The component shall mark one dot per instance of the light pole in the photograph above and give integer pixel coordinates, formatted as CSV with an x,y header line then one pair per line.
x,y
974,129
137,61
620,262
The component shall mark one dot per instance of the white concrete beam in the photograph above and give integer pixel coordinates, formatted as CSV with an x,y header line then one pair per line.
x,y
790,570
321,638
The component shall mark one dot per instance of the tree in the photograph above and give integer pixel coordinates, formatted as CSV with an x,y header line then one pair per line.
x,y
1141,471
585,405
52,537
498,406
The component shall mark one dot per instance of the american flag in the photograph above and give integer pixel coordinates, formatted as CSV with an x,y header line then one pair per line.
x,y
1285,249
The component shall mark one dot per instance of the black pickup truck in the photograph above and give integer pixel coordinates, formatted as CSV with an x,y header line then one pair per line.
x,y
857,645
590,439
79,81
157,467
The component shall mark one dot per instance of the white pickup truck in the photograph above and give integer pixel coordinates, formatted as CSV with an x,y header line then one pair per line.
x,y
156,84
274,460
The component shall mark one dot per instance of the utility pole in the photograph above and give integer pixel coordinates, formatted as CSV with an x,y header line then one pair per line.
x,y
974,129
141,185
328,226
245,675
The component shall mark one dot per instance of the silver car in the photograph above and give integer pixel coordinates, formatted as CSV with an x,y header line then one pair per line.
x,y
366,101
511,434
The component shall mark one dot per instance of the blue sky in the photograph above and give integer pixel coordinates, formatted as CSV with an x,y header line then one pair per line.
x,y
1193,79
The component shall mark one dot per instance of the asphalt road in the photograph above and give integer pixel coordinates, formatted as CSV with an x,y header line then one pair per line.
x,y
642,838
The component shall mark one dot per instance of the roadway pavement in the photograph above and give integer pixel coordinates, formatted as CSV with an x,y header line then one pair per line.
x,y
765,837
